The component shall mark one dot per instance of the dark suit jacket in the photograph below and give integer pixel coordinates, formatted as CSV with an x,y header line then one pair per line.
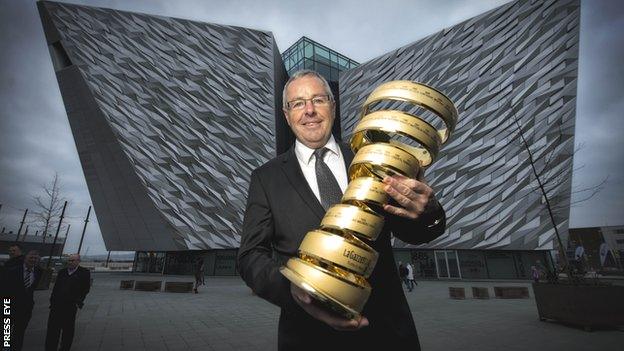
x,y
12,285
71,290
14,261
281,209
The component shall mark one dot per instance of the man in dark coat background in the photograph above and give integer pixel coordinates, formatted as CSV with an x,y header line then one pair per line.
x,y
15,256
18,282
71,288
285,202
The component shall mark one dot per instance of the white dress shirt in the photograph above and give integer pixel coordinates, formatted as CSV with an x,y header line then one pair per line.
x,y
333,158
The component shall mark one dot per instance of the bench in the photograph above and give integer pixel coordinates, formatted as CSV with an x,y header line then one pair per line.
x,y
126,285
179,287
148,285
480,293
457,293
511,292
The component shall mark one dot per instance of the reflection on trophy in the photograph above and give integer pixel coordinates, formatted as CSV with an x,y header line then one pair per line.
x,y
402,128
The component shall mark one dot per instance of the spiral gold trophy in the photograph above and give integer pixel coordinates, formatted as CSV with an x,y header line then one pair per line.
x,y
334,261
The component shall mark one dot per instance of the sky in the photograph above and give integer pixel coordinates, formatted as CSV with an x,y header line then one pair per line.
x,y
36,140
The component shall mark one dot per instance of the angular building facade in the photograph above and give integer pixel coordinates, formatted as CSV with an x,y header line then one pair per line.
x,y
169,118
518,62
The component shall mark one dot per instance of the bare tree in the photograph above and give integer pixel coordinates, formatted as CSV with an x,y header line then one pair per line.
x,y
48,206
549,179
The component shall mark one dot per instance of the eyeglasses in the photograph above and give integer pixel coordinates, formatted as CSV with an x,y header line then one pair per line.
x,y
298,104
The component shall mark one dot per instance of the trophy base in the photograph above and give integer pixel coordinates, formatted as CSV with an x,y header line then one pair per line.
x,y
324,299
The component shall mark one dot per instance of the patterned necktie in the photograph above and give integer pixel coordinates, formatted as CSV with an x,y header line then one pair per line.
x,y
328,186
27,278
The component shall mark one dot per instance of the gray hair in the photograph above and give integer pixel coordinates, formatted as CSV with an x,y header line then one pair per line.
x,y
303,73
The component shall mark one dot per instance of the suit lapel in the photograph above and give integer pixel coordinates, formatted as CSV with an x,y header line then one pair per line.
x,y
291,168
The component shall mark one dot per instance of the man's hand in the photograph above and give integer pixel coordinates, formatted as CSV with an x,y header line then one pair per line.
x,y
415,197
305,301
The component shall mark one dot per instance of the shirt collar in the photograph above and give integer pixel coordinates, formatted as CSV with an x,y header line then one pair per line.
x,y
26,268
71,271
305,153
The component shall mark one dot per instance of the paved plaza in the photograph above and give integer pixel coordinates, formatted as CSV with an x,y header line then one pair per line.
x,y
226,316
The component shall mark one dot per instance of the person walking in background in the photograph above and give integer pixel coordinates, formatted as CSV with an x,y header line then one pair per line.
x,y
71,287
18,283
403,274
579,259
410,277
199,274
535,274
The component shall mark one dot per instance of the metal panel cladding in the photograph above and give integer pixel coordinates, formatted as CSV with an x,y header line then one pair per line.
x,y
169,116
516,61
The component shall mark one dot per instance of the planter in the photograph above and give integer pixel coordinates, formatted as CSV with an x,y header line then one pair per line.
x,y
126,285
179,287
457,293
511,292
149,285
480,293
583,305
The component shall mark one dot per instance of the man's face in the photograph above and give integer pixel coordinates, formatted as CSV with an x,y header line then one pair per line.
x,y
312,124
31,259
14,251
73,261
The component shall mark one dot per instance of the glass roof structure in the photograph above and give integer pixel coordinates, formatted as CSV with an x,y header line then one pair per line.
x,y
306,53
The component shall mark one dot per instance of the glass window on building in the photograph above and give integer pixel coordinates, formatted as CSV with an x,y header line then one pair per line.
x,y
308,63
424,264
472,265
333,59
402,256
181,262
446,264
334,74
308,50
343,63
322,69
225,262
501,264
149,262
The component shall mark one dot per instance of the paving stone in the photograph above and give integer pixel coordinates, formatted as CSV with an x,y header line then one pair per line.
x,y
226,316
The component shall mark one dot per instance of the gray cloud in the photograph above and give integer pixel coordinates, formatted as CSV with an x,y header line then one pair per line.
x,y
36,140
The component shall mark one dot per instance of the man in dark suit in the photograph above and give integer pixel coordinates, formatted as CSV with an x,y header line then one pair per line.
x,y
18,283
15,256
71,288
285,202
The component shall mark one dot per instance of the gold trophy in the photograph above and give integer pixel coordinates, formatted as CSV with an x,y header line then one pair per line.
x,y
334,261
